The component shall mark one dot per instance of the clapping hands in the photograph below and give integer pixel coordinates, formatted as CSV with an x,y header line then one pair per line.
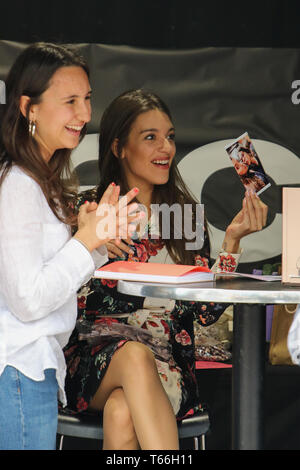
x,y
113,218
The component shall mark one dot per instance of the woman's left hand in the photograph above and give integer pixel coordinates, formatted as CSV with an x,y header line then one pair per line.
x,y
251,218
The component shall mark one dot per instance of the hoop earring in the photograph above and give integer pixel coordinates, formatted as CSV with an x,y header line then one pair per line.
x,y
31,128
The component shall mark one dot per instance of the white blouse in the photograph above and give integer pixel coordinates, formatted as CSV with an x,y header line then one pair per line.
x,y
293,339
41,269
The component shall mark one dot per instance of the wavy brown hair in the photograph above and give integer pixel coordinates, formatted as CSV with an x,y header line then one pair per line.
x,y
30,75
116,123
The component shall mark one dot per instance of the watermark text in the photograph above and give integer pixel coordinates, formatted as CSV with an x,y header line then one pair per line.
x,y
165,222
2,92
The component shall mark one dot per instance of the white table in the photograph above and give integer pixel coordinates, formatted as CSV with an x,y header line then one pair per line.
x,y
248,374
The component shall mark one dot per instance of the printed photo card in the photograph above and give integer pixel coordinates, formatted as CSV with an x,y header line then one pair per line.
x,y
247,164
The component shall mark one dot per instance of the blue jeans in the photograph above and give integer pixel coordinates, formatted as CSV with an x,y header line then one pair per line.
x,y
28,411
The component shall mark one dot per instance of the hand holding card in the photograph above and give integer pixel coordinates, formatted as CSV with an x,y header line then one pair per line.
x,y
247,164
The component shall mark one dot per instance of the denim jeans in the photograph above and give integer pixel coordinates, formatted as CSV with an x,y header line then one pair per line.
x,y
28,411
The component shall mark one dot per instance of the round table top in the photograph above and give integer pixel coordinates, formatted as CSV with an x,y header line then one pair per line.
x,y
241,290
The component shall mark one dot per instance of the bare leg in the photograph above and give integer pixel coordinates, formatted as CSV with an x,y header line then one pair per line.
x,y
119,433
133,369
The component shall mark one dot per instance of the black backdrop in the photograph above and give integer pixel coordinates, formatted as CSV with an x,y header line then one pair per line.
x,y
160,24
223,67
215,94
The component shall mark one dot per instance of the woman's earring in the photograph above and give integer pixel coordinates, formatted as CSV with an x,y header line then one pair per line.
x,y
32,127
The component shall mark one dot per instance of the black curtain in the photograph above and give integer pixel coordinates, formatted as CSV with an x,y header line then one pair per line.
x,y
160,24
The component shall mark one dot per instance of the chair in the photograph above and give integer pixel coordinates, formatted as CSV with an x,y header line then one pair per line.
x,y
89,426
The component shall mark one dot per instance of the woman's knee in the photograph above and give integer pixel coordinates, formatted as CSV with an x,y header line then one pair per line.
x,y
118,427
116,413
138,356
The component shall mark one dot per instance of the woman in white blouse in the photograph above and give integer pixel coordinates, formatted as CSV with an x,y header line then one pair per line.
x,y
42,265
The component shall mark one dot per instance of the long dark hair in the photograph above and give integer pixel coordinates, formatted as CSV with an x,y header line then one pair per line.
x,y
30,75
116,123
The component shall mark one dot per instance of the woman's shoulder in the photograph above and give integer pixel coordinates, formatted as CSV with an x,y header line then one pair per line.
x,y
18,186
18,177
17,172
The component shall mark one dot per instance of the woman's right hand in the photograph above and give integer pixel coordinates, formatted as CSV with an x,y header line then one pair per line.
x,y
120,249
112,218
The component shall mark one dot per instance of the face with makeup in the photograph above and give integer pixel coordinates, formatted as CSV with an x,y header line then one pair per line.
x,y
148,154
63,110
244,157
240,167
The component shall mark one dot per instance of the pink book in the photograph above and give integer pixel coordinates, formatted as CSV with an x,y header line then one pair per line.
x,y
154,272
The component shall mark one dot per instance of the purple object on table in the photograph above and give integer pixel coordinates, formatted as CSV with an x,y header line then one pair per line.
x,y
257,271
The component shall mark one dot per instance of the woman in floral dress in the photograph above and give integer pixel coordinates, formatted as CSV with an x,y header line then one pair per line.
x,y
137,148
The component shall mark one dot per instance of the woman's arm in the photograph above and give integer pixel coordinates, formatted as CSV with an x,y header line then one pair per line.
x,y
41,266
251,218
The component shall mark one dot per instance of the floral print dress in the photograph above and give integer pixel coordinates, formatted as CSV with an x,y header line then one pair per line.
x,y
108,319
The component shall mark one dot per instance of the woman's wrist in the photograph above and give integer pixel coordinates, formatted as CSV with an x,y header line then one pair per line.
x,y
231,245
85,240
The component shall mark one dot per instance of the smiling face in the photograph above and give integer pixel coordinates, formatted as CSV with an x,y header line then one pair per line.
x,y
245,157
240,167
63,111
149,151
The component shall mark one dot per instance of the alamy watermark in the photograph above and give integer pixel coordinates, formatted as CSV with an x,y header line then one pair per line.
x,y
180,219
296,94
2,92
182,223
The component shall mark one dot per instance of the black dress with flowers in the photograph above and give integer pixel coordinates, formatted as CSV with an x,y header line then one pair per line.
x,y
120,318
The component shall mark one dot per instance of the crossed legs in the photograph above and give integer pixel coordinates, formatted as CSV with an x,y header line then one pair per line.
x,y
136,410
119,432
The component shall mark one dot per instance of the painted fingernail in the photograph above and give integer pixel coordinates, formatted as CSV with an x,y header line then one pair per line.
x,y
113,184
86,202
135,190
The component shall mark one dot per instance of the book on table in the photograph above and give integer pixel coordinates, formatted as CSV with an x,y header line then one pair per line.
x,y
154,272
169,273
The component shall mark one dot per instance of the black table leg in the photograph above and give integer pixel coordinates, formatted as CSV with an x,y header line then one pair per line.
x,y
248,376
